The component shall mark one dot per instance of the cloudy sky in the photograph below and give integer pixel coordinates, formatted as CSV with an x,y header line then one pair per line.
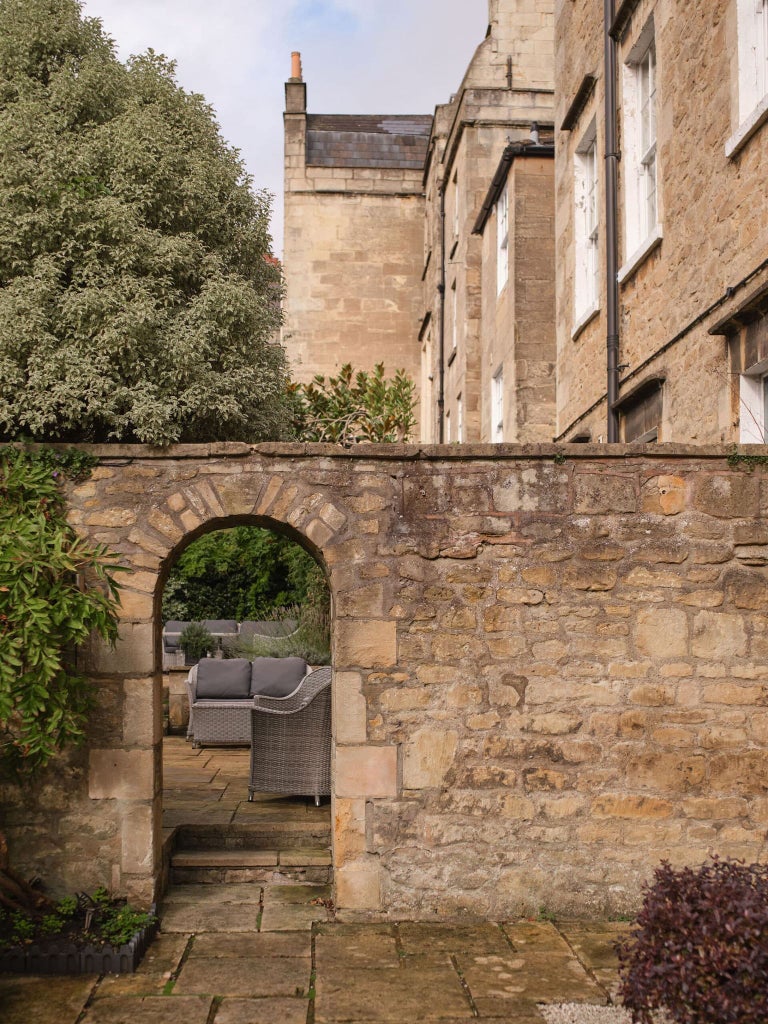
x,y
359,56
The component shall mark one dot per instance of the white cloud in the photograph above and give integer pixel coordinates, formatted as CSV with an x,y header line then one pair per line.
x,y
359,56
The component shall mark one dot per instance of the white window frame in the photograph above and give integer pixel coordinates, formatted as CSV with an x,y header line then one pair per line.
x,y
456,204
497,406
454,318
427,390
753,405
502,239
586,228
752,63
642,223
459,419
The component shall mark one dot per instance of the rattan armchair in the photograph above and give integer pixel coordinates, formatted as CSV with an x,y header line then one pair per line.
x,y
291,740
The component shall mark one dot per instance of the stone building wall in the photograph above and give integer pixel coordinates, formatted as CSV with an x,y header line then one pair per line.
x,y
506,89
709,263
518,333
354,225
550,667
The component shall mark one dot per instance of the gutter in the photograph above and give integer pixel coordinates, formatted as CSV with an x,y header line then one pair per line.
x,y
441,322
611,227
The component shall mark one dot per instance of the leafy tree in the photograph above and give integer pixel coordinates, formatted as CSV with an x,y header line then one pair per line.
x,y
138,299
354,407
243,573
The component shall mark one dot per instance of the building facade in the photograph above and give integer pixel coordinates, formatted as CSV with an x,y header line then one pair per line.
x,y
483,338
354,211
662,280
388,220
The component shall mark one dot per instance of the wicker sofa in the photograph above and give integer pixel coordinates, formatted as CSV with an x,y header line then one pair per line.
x,y
221,693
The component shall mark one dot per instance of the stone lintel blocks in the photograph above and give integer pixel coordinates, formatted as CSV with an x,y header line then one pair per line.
x,y
549,663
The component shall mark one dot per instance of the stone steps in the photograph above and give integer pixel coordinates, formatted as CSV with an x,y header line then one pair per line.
x,y
255,836
252,864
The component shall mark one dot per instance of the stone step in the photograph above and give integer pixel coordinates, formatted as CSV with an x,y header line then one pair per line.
x,y
307,864
277,835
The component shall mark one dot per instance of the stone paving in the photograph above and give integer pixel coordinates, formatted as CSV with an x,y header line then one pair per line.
x,y
250,954
244,953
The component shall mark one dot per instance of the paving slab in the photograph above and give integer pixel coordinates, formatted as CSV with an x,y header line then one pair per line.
x,y
262,1011
263,944
347,993
479,939
499,984
283,917
535,937
189,917
296,894
595,946
362,945
35,1000
148,1010
200,894
244,976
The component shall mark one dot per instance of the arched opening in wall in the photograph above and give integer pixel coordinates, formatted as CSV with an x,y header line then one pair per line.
x,y
243,632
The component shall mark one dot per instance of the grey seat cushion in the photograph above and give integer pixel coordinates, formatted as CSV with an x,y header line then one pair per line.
x,y
223,679
276,677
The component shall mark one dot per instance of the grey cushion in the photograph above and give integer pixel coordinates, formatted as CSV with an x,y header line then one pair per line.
x,y
217,626
223,679
277,677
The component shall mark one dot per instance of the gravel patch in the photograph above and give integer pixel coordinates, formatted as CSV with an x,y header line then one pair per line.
x,y
584,1013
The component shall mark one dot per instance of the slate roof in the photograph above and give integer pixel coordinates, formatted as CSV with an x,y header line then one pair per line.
x,y
368,140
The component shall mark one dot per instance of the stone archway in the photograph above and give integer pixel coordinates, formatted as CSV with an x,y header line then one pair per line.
x,y
549,667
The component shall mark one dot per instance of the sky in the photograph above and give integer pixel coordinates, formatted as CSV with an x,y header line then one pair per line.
x,y
358,56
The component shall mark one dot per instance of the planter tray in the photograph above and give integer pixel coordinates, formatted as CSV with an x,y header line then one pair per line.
x,y
63,957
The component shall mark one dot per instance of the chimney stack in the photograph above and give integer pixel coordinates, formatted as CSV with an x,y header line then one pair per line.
x,y
295,88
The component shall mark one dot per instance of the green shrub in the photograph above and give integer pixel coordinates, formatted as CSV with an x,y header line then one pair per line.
x,y
196,642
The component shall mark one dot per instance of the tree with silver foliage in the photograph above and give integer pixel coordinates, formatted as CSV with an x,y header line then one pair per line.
x,y
138,296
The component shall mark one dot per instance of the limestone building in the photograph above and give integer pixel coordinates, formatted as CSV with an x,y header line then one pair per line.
x,y
354,212
427,242
662,220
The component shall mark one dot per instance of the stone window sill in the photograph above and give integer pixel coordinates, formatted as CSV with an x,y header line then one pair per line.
x,y
585,318
639,256
747,129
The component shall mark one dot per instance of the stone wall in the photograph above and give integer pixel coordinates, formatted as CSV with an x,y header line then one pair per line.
x,y
711,257
549,667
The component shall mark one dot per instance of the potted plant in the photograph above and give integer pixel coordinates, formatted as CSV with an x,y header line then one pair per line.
x,y
196,642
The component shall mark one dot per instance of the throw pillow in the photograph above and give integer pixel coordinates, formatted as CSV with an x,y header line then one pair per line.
x,y
223,679
276,677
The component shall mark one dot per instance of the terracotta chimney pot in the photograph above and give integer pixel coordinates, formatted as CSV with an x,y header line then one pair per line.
x,y
296,66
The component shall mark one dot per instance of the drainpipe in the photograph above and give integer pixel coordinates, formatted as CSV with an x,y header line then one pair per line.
x,y
441,327
611,225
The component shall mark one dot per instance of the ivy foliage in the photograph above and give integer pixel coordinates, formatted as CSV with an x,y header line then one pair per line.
x,y
138,296
356,406
55,591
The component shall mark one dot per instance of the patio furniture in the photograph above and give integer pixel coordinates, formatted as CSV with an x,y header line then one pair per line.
x,y
221,692
172,634
291,740
224,631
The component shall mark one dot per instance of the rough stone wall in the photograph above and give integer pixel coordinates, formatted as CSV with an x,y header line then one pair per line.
x,y
711,208
549,667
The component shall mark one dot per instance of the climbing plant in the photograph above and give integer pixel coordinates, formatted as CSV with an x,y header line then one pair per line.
x,y
56,589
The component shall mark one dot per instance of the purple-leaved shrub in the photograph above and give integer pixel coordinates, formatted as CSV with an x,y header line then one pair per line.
x,y
699,946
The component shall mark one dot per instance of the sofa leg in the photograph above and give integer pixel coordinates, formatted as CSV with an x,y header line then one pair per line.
x,y
250,796
317,800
